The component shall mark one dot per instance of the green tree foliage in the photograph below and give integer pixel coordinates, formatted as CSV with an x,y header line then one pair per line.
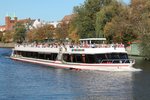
x,y
61,31
140,15
19,32
73,35
31,35
141,21
86,17
48,30
120,29
7,37
106,15
145,45
41,33
103,18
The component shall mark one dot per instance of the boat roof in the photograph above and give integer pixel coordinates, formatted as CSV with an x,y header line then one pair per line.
x,y
92,39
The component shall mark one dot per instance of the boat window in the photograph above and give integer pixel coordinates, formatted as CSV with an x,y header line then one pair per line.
x,y
77,58
48,57
108,56
89,58
67,57
23,54
72,58
115,56
18,52
100,58
123,56
37,55
53,56
15,52
41,56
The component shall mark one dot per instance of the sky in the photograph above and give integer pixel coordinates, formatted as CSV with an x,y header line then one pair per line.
x,y
47,10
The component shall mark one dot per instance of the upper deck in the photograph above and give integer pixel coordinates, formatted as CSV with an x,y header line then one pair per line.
x,y
73,49
86,46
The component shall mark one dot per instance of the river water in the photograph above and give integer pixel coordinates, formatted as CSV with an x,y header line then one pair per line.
x,y
26,81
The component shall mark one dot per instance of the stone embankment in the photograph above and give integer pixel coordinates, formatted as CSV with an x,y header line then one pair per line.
x,y
7,45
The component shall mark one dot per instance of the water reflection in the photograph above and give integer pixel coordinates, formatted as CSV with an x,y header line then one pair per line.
x,y
141,82
87,85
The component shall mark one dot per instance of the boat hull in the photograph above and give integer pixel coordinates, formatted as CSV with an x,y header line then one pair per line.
x,y
80,66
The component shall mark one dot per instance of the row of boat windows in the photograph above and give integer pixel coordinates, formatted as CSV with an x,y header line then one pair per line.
x,y
37,55
77,58
96,58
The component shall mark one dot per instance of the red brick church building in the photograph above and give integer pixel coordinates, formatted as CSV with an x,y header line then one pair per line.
x,y
10,22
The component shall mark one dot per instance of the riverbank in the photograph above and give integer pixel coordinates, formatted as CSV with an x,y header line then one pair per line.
x,y
7,45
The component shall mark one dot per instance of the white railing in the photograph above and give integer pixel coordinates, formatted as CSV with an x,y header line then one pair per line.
x,y
71,46
132,61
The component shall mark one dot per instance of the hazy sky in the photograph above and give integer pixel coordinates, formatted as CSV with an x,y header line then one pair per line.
x,y
48,10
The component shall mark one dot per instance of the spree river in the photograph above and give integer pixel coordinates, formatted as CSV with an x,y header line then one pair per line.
x,y
27,81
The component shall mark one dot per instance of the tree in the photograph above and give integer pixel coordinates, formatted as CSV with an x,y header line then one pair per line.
x,y
140,15
1,35
61,31
73,33
141,21
31,35
86,17
145,45
49,31
41,33
7,37
120,29
20,32
105,15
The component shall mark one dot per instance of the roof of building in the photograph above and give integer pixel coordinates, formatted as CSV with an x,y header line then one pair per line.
x,y
68,17
2,28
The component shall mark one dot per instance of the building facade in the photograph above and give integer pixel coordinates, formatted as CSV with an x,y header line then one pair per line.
x,y
10,22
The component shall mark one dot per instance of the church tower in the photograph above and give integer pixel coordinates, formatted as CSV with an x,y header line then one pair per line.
x,y
7,22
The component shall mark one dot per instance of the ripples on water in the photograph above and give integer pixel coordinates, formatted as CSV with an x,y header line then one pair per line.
x,y
26,81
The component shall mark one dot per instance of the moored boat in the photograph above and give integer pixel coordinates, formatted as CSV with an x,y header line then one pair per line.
x,y
90,54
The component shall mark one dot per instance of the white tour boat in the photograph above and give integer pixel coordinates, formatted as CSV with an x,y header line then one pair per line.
x,y
90,54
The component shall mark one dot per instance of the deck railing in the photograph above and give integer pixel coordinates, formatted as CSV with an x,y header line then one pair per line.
x,y
71,46
118,61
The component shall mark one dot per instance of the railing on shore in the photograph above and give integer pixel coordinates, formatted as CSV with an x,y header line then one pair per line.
x,y
7,45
